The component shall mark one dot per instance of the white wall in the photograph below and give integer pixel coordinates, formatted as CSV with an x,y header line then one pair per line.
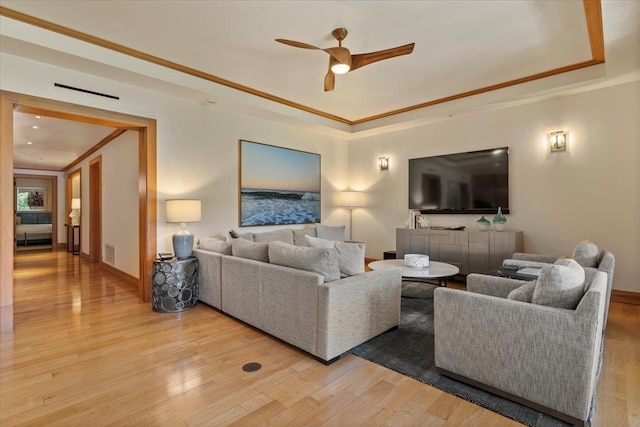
x,y
197,144
119,201
591,191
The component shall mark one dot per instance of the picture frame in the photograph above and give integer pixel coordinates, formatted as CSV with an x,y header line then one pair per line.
x,y
278,186
31,199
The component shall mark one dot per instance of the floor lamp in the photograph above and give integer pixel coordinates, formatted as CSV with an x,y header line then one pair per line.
x,y
351,199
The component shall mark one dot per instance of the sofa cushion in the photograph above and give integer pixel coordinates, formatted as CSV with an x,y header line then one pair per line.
x,y
299,235
246,249
330,233
285,235
350,255
586,254
560,285
524,293
214,244
323,261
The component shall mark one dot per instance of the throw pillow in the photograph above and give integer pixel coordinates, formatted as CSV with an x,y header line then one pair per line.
x,y
560,285
213,244
524,293
330,233
350,255
299,234
245,249
317,260
586,254
285,236
235,235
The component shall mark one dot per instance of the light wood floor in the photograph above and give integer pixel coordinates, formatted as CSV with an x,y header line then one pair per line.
x,y
86,351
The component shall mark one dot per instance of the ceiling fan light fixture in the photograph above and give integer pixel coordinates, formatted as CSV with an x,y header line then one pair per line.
x,y
340,68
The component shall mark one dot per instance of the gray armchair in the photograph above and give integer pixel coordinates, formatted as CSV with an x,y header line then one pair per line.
x,y
541,356
585,253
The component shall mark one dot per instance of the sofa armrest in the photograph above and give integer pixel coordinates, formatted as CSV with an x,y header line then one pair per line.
x,y
210,277
357,308
549,259
492,285
545,355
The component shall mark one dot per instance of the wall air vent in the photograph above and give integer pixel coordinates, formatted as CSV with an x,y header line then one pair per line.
x,y
86,91
109,254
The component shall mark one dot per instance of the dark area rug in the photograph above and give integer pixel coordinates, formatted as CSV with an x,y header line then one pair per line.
x,y
409,350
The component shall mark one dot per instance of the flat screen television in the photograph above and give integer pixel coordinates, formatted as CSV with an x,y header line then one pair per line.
x,y
468,183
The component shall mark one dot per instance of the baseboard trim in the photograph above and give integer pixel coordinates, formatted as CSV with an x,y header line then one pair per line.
x,y
84,256
625,297
120,274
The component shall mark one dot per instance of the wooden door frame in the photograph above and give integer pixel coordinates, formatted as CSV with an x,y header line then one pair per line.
x,y
147,172
95,210
54,202
69,195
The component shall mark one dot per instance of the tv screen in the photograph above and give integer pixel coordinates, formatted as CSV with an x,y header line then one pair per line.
x,y
474,182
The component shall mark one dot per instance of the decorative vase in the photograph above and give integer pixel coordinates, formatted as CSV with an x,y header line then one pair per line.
x,y
499,220
483,223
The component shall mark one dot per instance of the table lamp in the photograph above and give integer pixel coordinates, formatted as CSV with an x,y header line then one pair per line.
x,y
183,211
75,212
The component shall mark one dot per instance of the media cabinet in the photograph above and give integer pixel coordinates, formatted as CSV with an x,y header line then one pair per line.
x,y
472,251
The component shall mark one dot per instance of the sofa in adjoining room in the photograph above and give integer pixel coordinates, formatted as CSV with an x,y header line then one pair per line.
x,y
310,292
538,343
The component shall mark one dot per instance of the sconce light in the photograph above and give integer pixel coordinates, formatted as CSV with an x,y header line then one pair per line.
x,y
383,163
558,141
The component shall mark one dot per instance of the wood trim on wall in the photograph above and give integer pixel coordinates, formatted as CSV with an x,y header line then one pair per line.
x,y
147,187
95,209
54,201
104,141
625,297
7,235
593,15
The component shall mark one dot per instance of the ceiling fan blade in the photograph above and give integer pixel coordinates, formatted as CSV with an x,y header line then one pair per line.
x,y
362,59
330,78
340,54
298,44
329,81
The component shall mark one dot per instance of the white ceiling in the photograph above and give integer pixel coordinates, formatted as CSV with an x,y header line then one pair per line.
x,y
460,46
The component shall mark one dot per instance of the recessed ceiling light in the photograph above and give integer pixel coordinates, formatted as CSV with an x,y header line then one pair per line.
x,y
38,117
29,142
34,126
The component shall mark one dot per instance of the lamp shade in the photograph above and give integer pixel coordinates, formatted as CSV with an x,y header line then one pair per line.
x,y
181,210
351,199
75,203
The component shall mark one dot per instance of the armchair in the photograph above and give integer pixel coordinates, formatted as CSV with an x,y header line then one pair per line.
x,y
585,253
540,356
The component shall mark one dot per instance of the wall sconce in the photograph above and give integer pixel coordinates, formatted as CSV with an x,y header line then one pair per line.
x,y
558,141
383,163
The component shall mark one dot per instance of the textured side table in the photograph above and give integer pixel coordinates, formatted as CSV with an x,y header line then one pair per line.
x,y
175,285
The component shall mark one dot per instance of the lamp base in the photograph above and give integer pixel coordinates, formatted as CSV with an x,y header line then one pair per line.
x,y
183,243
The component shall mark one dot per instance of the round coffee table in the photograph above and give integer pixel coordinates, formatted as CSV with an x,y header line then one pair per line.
x,y
436,270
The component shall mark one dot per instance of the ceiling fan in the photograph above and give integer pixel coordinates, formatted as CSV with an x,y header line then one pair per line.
x,y
342,61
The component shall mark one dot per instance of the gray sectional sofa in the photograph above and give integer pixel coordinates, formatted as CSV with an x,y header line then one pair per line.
x,y
311,307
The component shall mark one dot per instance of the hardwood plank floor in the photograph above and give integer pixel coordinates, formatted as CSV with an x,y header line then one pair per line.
x,y
86,351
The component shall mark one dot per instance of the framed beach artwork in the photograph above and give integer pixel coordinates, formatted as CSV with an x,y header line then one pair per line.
x,y
278,185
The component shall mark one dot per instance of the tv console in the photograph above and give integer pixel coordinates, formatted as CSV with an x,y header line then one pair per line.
x,y
472,251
